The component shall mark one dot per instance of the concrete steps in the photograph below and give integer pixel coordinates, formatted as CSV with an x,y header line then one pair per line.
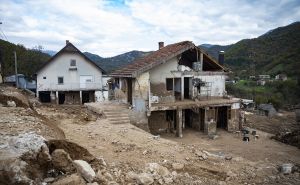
x,y
114,113
117,114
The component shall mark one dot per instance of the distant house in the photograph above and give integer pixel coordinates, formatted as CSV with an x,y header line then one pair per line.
x,y
265,77
23,83
261,82
281,77
266,110
69,77
247,104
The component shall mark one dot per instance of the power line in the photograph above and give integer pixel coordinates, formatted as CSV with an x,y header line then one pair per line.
x,y
3,34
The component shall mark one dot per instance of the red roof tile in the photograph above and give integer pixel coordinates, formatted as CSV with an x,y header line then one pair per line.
x,y
153,59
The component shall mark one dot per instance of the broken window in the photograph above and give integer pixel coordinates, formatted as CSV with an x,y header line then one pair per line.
x,y
169,84
60,80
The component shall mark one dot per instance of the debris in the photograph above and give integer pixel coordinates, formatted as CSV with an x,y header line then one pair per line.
x,y
62,161
157,169
11,104
201,155
145,152
101,161
145,179
213,137
68,180
156,137
177,166
228,157
85,170
286,168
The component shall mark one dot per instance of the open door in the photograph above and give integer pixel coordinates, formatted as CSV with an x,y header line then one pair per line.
x,y
187,87
129,90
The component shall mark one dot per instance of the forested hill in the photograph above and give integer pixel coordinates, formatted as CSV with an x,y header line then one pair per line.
x,y
29,60
277,51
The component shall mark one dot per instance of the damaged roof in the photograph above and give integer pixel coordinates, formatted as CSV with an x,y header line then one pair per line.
x,y
159,57
70,48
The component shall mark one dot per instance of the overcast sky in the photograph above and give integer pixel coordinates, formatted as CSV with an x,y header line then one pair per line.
x,y
111,27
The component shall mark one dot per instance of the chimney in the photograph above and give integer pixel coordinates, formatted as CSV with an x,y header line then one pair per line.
x,y
160,45
67,42
221,57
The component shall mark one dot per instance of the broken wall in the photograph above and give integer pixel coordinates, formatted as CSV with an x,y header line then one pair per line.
x,y
217,83
158,76
234,118
72,97
140,93
157,122
210,126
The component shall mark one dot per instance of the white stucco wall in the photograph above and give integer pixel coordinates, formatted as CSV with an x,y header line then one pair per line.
x,y
169,70
217,83
159,73
59,67
140,92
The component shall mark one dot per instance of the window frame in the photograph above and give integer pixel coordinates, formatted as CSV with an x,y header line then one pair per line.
x,y
171,82
73,63
60,77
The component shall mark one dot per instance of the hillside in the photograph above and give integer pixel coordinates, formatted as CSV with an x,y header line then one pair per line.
x,y
29,60
113,63
277,51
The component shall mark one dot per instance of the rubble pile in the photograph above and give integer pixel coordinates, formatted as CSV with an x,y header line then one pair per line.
x,y
291,138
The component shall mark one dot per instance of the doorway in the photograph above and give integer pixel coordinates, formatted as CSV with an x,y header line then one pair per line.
x,y
187,87
61,98
222,118
45,96
188,117
177,88
85,97
129,90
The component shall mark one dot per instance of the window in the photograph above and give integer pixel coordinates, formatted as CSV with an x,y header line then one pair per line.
x,y
44,77
169,84
60,80
73,62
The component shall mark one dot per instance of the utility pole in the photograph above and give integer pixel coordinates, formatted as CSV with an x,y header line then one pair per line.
x,y
16,70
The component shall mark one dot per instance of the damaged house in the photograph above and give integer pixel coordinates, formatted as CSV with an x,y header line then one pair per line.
x,y
176,87
69,77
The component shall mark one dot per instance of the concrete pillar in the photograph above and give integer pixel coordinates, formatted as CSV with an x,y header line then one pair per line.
x,y
37,94
201,60
182,88
205,120
56,97
80,97
179,123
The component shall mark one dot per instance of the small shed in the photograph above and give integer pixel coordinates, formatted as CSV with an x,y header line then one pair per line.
x,y
266,110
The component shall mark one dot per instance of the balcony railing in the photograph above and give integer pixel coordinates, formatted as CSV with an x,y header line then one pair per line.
x,y
69,86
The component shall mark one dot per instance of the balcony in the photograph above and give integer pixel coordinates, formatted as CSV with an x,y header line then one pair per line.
x,y
69,86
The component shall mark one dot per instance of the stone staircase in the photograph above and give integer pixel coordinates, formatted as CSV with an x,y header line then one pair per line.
x,y
117,115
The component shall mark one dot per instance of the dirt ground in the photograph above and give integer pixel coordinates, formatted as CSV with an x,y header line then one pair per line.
x,y
125,145
284,122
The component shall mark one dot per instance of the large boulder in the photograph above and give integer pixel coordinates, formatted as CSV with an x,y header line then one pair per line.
x,y
177,166
85,170
11,104
157,169
62,161
145,179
